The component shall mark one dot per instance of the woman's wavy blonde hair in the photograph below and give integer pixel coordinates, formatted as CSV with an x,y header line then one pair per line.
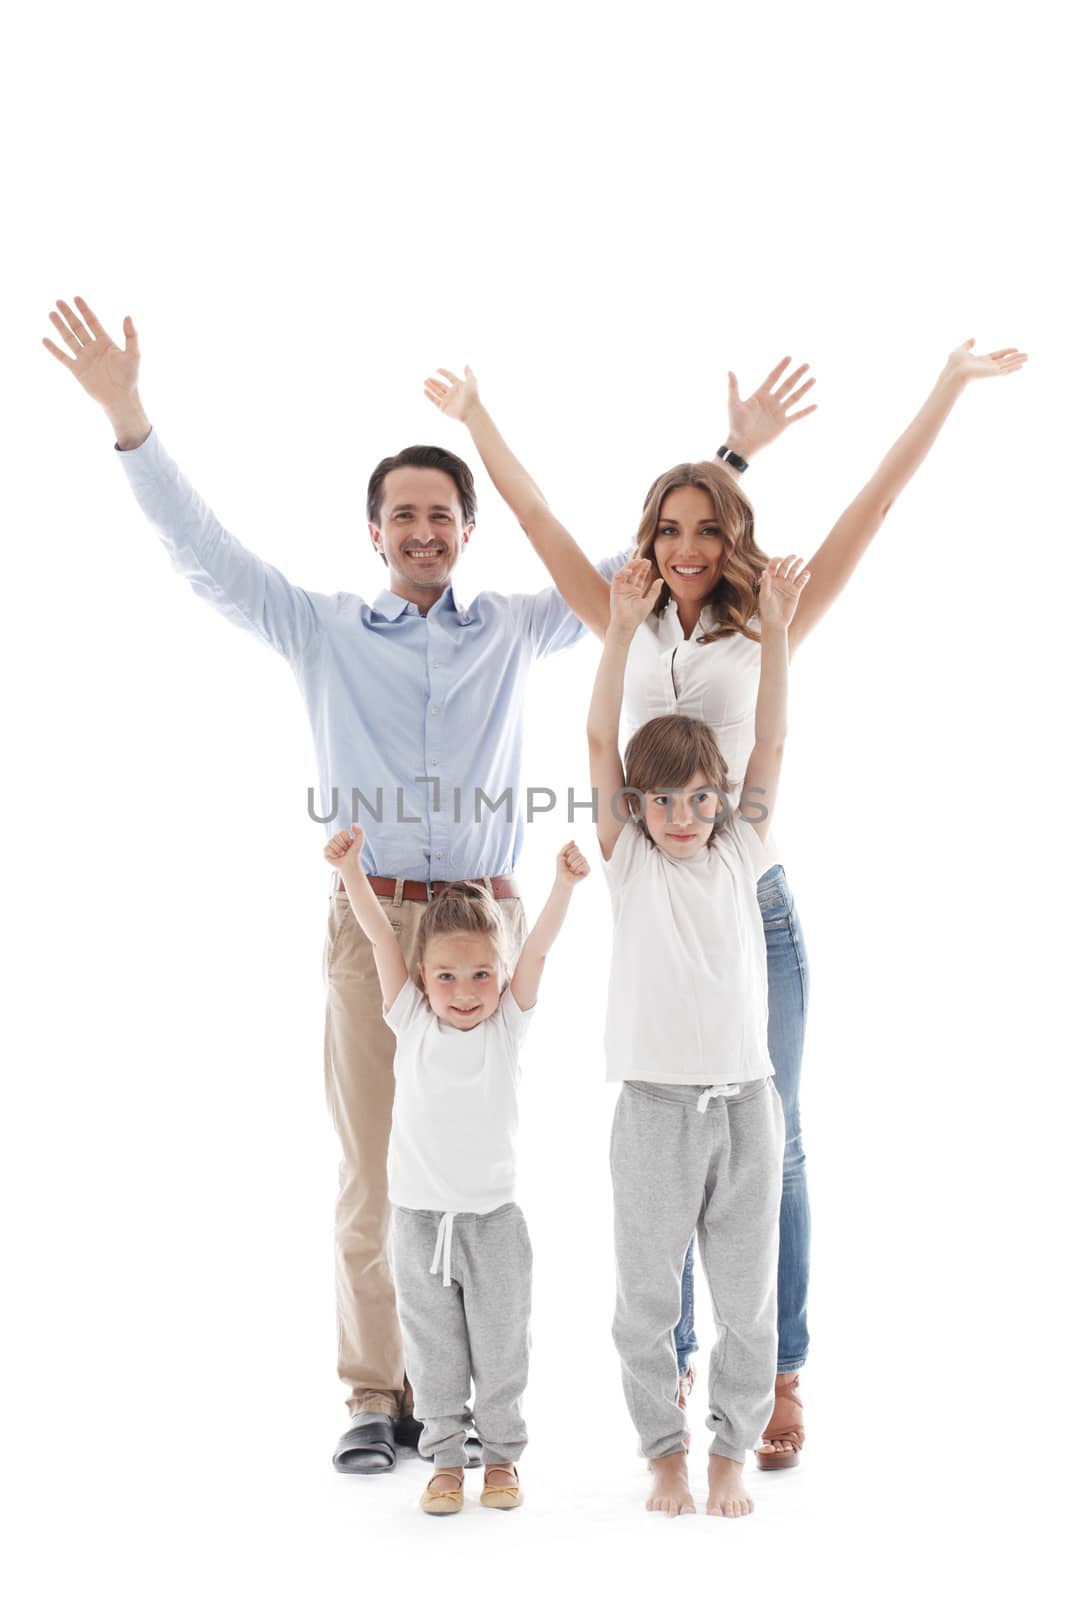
x,y
734,595
461,908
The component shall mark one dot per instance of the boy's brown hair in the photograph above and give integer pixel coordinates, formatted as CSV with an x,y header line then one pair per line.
x,y
665,753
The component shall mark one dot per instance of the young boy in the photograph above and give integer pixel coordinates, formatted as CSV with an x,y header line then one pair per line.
x,y
697,1140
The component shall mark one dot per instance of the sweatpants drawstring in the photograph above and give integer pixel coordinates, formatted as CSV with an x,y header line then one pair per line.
x,y
718,1091
442,1255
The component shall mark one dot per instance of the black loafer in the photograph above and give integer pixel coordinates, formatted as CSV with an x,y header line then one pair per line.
x,y
368,1446
406,1432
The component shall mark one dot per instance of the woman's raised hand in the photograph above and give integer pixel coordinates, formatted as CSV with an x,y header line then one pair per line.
x,y
963,363
631,597
104,371
780,589
757,421
456,397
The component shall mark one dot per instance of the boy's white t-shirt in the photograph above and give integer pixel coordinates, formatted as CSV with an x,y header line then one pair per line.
x,y
687,995
456,1107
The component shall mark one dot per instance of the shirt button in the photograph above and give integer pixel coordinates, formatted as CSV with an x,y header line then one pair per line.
x,y
433,711
433,761
438,854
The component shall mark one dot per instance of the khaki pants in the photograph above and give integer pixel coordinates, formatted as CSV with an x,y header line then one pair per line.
x,y
359,1049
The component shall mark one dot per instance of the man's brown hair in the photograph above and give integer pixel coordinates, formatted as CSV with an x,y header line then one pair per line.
x,y
424,455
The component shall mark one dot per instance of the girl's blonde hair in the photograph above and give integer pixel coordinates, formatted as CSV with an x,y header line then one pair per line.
x,y
734,595
665,753
461,908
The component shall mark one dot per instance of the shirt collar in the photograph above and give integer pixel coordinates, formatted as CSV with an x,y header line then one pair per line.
x,y
668,617
667,625
392,606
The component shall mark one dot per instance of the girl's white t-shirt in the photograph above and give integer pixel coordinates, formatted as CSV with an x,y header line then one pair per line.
x,y
716,683
456,1108
687,994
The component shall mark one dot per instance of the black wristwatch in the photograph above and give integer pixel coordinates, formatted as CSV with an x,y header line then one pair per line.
x,y
732,458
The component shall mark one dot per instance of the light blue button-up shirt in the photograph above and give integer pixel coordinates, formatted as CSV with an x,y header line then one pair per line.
x,y
411,715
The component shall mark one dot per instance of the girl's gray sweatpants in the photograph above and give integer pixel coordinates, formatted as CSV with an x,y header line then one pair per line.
x,y
477,1327
676,1168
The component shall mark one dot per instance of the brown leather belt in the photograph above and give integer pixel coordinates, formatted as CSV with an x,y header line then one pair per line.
x,y
416,889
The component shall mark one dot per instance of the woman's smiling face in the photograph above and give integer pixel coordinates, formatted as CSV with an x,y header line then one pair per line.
x,y
688,545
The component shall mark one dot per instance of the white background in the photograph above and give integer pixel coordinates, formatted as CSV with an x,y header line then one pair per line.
x,y
601,208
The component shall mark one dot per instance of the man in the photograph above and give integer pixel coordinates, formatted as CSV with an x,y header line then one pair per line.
x,y
415,702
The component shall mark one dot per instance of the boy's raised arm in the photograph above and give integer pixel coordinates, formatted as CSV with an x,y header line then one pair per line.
x,y
781,586
630,605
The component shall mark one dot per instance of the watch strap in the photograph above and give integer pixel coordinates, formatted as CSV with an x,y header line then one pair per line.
x,y
732,458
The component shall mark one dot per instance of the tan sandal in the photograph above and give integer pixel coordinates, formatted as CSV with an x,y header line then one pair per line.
x,y
443,1502
502,1496
786,1426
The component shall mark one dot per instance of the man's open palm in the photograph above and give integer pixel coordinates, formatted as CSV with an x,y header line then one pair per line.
x,y
103,370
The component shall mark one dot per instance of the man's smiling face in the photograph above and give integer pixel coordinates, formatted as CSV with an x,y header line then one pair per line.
x,y
421,532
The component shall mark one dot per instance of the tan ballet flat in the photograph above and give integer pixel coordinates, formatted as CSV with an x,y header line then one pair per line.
x,y
443,1502
502,1496
786,1426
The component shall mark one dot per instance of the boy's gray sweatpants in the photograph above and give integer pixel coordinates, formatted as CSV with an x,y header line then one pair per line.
x,y
477,1326
675,1167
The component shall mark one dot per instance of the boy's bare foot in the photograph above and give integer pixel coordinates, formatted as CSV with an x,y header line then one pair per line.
x,y
670,1491
727,1495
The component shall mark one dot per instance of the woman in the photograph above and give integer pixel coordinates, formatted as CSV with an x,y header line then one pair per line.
x,y
698,654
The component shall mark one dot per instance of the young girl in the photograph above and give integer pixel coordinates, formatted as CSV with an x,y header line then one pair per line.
x,y
461,1252
697,654
698,1134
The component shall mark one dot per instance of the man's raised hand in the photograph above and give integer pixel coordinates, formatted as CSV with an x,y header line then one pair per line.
x,y
104,371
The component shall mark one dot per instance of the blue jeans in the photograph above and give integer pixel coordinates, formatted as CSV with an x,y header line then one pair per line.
x,y
787,1009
